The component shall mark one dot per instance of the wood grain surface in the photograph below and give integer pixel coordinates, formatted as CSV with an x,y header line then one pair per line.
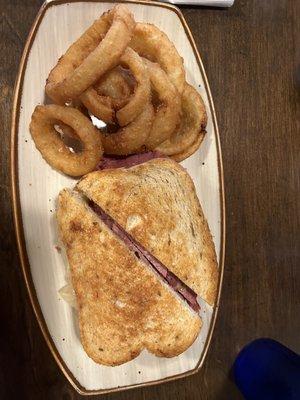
x,y
250,56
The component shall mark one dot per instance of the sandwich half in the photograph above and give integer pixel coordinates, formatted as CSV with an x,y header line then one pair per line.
x,y
133,237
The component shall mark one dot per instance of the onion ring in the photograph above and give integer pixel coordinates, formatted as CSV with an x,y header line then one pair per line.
x,y
93,101
95,52
167,116
150,42
131,138
193,122
51,146
98,105
110,92
189,150
118,84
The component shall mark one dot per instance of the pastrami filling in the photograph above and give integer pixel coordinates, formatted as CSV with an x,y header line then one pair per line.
x,y
112,162
143,254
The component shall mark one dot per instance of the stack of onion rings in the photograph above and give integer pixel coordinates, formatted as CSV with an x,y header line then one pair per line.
x,y
129,79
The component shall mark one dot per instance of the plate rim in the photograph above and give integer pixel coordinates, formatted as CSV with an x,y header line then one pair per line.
x,y
16,205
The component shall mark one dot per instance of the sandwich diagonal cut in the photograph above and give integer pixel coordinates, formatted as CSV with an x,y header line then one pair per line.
x,y
143,254
123,306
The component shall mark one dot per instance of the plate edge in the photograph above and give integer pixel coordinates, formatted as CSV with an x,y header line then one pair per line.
x,y
18,224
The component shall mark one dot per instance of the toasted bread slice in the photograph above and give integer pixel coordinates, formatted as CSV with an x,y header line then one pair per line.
x,y
123,306
156,203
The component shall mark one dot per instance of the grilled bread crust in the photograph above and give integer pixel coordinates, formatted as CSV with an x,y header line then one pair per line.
x,y
156,203
123,305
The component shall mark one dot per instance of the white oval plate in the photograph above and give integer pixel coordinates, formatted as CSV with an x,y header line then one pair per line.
x,y
36,186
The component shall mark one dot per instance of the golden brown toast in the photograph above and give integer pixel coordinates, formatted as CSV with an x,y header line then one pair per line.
x,y
123,306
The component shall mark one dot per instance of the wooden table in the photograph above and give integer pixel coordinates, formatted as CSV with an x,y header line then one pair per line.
x,y
249,53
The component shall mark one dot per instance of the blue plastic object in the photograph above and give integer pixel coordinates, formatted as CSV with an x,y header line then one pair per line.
x,y
267,370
